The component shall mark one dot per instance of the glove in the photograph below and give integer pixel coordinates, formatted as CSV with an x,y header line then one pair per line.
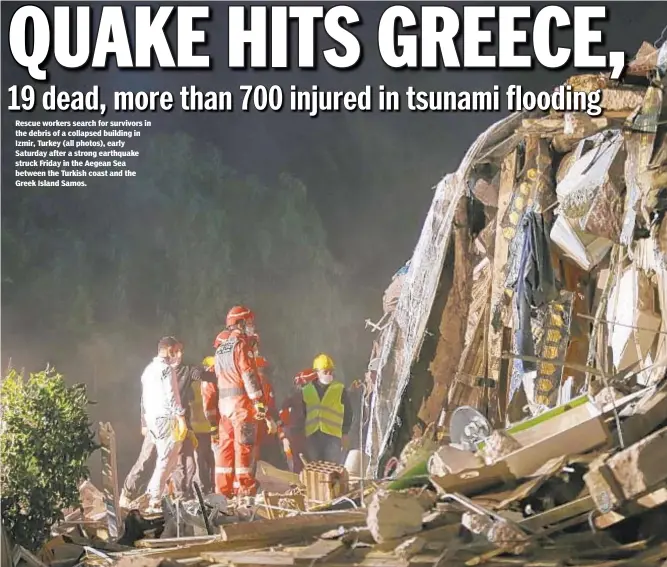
x,y
179,429
345,442
287,448
215,435
271,426
260,411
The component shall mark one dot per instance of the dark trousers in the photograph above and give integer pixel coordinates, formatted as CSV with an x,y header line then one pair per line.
x,y
205,462
270,451
137,479
323,447
196,465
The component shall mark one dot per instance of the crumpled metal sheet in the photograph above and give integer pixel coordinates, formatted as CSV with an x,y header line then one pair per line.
x,y
586,194
640,149
662,59
404,336
657,373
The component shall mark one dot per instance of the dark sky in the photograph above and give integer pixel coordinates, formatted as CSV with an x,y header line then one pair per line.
x,y
372,201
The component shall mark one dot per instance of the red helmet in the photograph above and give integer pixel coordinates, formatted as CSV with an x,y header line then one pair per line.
x,y
305,377
239,313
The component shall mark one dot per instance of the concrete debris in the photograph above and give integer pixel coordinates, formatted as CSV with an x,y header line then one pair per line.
x,y
499,445
392,515
452,460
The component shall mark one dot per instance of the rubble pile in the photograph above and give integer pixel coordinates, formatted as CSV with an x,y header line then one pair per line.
x,y
539,274
534,304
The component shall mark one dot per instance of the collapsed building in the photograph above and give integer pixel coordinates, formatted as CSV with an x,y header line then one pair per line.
x,y
539,274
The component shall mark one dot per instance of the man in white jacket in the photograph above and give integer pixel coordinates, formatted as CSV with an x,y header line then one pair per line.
x,y
162,410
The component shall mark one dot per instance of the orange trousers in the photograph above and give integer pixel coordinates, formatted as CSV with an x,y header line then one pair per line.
x,y
235,456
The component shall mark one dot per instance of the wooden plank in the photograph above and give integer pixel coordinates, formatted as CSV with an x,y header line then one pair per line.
x,y
649,557
581,438
650,412
641,505
441,534
107,438
504,376
551,422
602,485
473,481
453,319
305,525
250,557
501,253
577,126
409,548
622,99
558,514
462,393
321,550
217,545
175,541
641,467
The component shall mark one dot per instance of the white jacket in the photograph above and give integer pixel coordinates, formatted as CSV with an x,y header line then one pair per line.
x,y
159,391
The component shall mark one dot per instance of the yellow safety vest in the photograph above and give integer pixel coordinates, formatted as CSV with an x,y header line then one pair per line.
x,y
198,419
325,415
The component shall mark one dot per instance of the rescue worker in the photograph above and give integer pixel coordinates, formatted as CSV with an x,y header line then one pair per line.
x,y
292,419
328,414
189,377
268,428
209,399
240,406
164,415
137,479
197,454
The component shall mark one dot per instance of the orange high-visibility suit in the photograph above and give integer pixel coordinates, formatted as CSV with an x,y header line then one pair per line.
x,y
264,437
238,391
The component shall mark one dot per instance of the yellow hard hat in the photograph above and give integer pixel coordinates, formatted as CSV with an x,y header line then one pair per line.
x,y
209,361
323,362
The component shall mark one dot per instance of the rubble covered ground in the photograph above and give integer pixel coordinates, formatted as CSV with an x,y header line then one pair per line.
x,y
532,368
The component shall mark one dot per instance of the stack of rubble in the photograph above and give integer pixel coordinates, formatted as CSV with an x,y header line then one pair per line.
x,y
489,508
541,270
546,350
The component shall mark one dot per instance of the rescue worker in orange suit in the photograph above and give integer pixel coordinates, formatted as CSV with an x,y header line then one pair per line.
x,y
240,405
328,414
292,419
